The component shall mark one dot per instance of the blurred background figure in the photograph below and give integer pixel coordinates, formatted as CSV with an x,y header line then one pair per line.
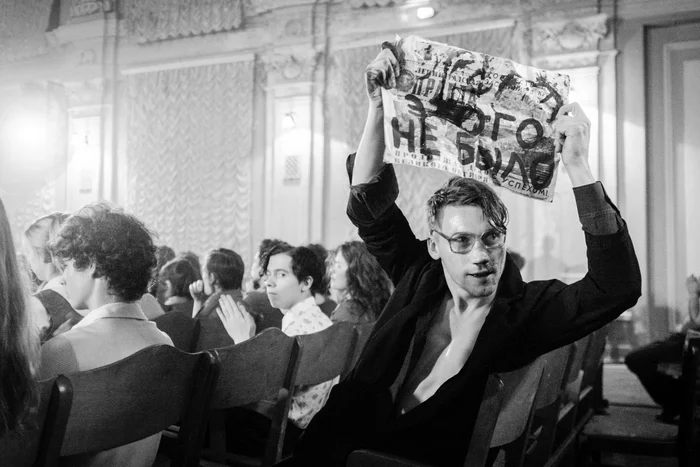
x,y
163,254
19,341
323,298
644,361
174,279
49,304
266,316
359,284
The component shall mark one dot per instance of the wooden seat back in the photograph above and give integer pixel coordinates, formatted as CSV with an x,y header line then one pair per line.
x,y
256,372
138,397
30,444
517,412
182,329
547,404
324,355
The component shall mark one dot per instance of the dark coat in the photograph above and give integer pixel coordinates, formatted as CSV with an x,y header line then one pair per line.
x,y
526,321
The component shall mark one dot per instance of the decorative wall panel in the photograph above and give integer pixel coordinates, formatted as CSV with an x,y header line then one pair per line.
x,y
155,20
22,27
189,155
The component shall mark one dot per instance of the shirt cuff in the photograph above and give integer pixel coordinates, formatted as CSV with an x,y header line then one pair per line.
x,y
598,215
377,195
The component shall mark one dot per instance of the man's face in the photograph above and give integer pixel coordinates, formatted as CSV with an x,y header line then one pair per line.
x,y
283,288
477,272
79,285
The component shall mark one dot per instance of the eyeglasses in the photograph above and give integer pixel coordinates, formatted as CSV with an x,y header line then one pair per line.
x,y
462,243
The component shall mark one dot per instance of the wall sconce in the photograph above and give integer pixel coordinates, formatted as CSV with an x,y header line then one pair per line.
x,y
425,12
288,121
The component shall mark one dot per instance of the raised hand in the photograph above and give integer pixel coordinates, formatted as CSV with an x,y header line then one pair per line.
x,y
381,73
197,291
572,136
239,324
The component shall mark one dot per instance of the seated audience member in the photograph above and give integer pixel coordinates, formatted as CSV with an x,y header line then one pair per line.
x,y
108,258
292,277
460,310
266,315
644,361
20,341
175,278
53,313
222,274
192,257
323,297
163,254
360,285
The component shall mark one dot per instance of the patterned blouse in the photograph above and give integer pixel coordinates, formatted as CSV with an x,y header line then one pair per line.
x,y
307,318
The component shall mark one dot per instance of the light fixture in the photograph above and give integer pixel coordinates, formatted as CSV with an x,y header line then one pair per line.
x,y
288,122
425,12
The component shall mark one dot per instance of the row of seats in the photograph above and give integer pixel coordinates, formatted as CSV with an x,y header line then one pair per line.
x,y
540,415
163,389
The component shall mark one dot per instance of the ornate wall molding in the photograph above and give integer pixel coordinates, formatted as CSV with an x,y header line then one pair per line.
x,y
291,68
87,93
157,20
556,37
83,8
567,61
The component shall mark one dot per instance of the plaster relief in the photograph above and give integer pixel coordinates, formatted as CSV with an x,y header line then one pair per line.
x,y
562,36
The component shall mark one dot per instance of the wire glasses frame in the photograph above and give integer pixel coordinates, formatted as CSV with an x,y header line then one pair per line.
x,y
462,243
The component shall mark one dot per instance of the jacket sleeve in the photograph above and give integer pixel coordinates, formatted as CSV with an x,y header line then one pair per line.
x,y
559,314
381,224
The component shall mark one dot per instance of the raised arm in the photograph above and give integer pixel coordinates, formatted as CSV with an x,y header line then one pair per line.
x,y
380,73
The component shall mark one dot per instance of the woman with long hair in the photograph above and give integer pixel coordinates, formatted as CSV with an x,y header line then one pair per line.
x,y
52,312
360,285
19,344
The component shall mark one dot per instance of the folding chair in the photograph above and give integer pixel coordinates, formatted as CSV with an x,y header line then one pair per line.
x,y
591,393
135,398
257,371
29,444
479,444
182,329
635,430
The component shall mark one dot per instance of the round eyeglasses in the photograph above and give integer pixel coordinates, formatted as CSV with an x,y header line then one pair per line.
x,y
462,242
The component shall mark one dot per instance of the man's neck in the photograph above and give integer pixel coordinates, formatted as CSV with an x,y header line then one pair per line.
x,y
463,301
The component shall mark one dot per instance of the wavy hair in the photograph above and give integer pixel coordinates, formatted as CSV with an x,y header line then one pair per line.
x,y
118,244
367,282
41,231
19,346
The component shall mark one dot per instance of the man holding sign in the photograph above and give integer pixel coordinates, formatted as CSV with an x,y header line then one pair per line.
x,y
461,310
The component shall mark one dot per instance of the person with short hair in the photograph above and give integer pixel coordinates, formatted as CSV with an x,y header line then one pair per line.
x,y
108,257
460,310
323,298
292,276
266,316
175,278
222,275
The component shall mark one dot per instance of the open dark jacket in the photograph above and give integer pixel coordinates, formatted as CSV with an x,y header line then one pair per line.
x,y
526,320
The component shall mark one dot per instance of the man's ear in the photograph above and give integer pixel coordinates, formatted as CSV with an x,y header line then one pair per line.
x,y
432,247
306,283
212,279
